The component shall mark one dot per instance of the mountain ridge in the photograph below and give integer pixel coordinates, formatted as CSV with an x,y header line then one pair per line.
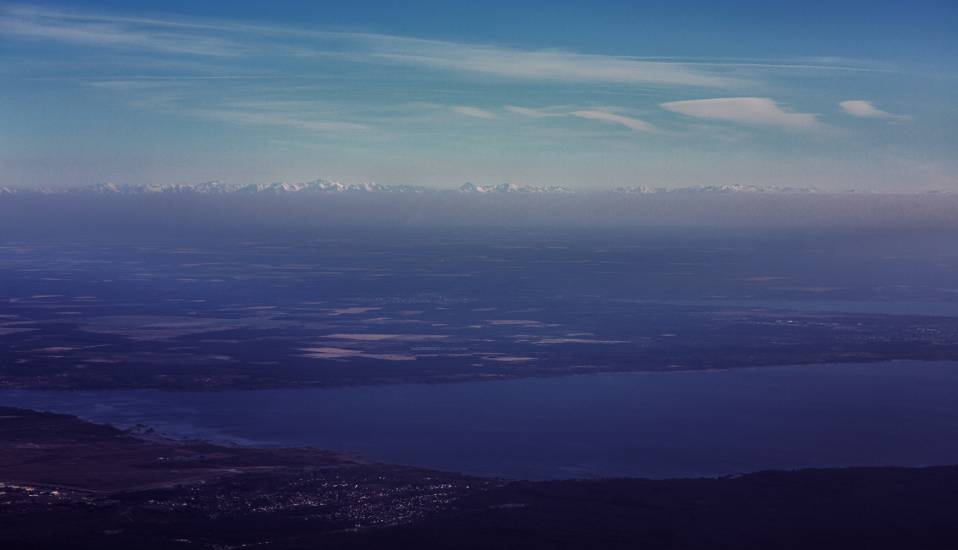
x,y
323,186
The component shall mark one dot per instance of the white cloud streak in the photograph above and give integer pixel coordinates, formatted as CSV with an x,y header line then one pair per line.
x,y
752,111
230,40
474,112
52,26
612,118
532,113
265,118
865,109
543,65
224,38
606,116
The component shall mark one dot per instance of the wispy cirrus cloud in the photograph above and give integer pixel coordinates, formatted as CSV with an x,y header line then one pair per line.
x,y
545,65
243,117
752,111
613,118
474,112
38,24
225,42
232,39
533,112
172,97
866,109
227,38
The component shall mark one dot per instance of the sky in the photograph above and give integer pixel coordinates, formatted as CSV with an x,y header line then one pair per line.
x,y
588,95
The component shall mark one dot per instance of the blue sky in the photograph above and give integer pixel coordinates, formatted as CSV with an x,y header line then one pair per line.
x,y
584,94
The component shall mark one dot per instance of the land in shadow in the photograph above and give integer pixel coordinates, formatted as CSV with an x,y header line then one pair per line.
x,y
70,483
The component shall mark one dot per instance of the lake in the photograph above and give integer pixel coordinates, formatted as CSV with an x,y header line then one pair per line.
x,y
653,424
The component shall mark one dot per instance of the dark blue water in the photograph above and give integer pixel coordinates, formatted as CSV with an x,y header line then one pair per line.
x,y
640,424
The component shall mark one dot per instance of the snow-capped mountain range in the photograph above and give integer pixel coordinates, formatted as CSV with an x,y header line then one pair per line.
x,y
511,188
642,190
221,188
276,188
329,187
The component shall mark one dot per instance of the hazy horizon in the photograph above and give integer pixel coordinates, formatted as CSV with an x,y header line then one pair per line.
x,y
197,217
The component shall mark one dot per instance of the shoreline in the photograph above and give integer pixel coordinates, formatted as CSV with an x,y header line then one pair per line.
x,y
113,495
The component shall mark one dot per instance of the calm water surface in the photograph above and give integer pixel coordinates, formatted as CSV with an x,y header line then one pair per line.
x,y
638,424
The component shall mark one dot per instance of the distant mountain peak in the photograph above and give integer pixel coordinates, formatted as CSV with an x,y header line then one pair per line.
x,y
643,190
510,188
222,188
323,187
